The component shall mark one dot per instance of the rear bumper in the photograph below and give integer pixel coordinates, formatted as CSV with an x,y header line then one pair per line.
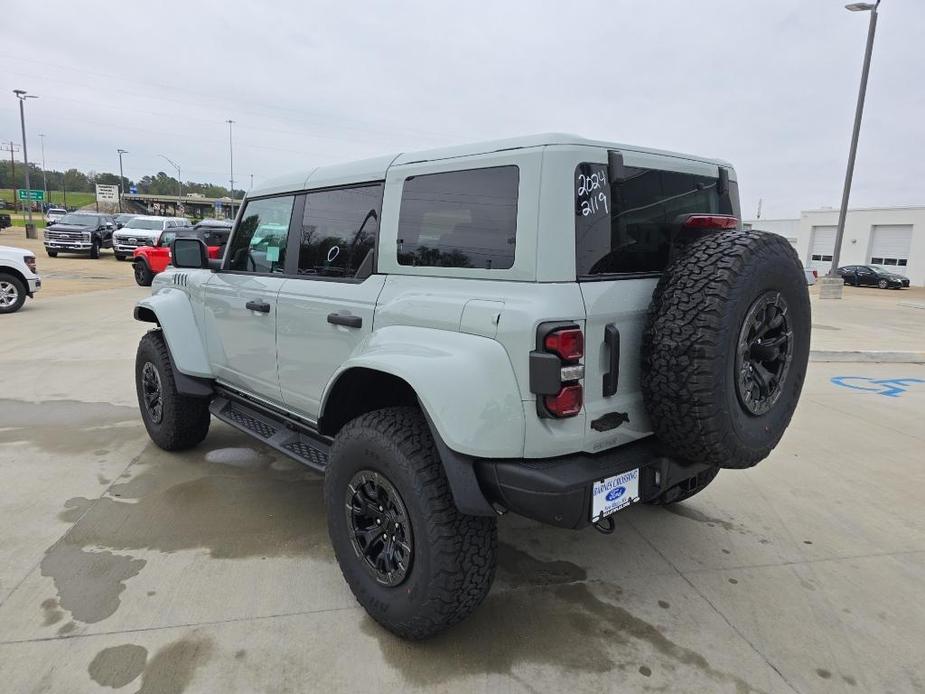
x,y
557,491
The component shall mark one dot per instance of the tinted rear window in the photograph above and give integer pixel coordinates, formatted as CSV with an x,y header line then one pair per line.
x,y
459,219
629,226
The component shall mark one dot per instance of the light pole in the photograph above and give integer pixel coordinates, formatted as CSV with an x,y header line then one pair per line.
x,y
22,96
121,177
859,110
231,162
179,180
252,182
44,178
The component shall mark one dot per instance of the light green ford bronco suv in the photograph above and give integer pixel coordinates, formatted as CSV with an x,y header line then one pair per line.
x,y
551,326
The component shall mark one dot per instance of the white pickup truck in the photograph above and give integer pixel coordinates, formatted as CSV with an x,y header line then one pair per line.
x,y
18,278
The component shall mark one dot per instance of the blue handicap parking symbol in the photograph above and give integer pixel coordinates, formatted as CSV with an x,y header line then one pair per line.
x,y
890,387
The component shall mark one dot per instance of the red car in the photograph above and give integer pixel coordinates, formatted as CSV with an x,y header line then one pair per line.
x,y
150,260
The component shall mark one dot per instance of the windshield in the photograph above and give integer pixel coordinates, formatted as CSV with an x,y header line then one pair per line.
x,y
881,270
81,219
148,224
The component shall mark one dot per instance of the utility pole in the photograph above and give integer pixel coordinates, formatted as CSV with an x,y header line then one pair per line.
x,y
179,181
44,178
121,177
12,148
22,96
252,182
855,133
231,162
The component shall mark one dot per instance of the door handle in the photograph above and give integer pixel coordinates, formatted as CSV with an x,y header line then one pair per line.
x,y
347,319
612,377
260,306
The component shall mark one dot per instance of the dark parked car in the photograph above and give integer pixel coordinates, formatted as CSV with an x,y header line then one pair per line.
x,y
121,219
5,221
213,231
80,232
872,276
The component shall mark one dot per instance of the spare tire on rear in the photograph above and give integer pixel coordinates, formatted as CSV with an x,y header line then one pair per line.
x,y
725,347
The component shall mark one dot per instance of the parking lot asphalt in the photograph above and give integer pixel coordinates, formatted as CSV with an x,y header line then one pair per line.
x,y
122,566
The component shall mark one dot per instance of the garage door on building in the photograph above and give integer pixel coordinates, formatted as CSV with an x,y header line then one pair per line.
x,y
890,245
821,247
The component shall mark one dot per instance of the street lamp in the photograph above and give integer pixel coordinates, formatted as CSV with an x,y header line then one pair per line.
x,y
121,177
22,96
231,162
179,179
44,179
849,174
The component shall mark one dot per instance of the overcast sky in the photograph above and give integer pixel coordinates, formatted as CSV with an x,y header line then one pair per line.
x,y
768,85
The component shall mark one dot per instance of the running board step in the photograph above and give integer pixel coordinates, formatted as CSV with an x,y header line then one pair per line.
x,y
312,450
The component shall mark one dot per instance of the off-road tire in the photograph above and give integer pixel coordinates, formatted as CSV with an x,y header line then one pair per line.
x,y
686,489
94,250
690,343
184,422
16,285
143,274
51,254
453,561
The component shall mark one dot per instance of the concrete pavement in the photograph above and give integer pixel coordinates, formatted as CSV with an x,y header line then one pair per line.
x,y
125,567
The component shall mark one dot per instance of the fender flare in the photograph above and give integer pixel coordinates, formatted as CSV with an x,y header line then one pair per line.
x,y
465,384
171,310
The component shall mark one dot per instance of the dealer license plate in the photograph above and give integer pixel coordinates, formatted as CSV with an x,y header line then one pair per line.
x,y
611,494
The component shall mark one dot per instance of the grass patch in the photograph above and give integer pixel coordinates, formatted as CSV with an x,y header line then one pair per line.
x,y
55,197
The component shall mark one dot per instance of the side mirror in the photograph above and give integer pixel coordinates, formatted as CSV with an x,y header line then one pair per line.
x,y
189,253
119,225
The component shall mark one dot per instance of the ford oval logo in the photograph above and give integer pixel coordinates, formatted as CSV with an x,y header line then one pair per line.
x,y
616,493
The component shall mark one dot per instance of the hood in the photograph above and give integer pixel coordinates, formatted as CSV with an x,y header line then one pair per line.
x,y
12,250
127,233
73,227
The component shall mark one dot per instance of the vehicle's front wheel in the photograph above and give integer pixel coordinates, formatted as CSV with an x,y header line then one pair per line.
x,y
414,562
174,421
12,293
51,253
94,250
883,284
143,274
119,256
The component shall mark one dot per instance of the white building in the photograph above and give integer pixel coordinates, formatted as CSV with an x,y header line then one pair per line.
x,y
890,236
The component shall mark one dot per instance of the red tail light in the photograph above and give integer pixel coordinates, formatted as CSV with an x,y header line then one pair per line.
x,y
711,221
567,343
567,403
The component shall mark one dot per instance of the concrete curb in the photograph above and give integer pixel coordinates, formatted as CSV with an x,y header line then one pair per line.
x,y
867,356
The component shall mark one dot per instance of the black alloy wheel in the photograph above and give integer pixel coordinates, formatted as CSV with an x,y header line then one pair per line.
x,y
379,526
152,392
764,353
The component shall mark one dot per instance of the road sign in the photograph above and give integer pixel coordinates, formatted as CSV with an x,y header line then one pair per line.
x,y
35,195
133,190
107,193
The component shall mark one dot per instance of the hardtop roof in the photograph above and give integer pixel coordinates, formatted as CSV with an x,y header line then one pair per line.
x,y
376,168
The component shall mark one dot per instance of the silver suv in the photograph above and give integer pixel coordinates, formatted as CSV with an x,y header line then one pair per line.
x,y
550,326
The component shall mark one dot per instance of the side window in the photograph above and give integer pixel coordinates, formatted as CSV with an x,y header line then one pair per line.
x,y
459,219
259,240
339,230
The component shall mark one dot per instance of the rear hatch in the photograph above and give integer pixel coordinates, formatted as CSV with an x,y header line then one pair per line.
x,y
628,220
